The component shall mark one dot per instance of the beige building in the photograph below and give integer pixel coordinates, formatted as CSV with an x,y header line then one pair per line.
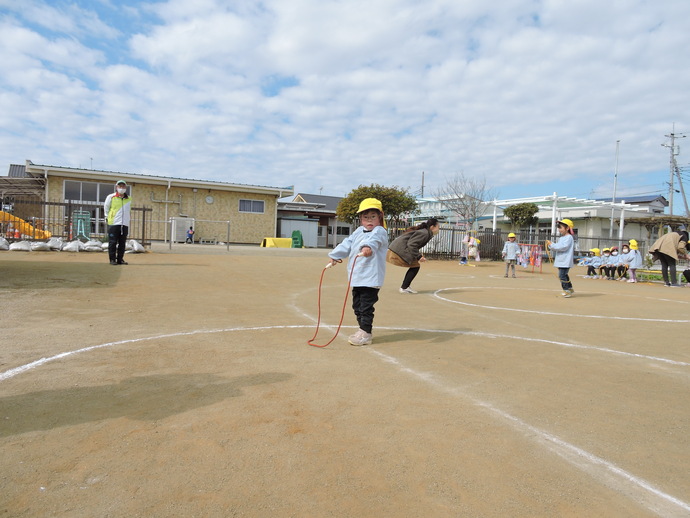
x,y
248,213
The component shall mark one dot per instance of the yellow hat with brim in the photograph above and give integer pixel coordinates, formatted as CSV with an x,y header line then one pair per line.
x,y
595,251
566,221
511,234
633,244
372,203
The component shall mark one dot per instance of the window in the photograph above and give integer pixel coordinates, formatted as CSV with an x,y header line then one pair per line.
x,y
255,206
87,191
343,231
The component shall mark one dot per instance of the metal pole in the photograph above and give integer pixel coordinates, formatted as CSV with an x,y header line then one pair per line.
x,y
615,182
227,241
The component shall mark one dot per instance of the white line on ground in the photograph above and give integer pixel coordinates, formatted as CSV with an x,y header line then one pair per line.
x,y
605,317
636,488
652,498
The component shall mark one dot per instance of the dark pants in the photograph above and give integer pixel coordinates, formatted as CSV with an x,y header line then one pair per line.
x,y
409,277
117,238
565,278
363,300
668,263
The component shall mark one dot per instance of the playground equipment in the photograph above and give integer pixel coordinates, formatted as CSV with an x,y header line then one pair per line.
x,y
22,227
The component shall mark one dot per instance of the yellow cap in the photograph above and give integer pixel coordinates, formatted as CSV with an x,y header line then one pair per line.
x,y
512,234
633,244
370,203
477,240
596,251
566,221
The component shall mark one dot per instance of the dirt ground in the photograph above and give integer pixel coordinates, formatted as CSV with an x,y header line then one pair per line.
x,y
182,385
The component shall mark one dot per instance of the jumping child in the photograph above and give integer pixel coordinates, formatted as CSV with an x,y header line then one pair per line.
x,y
510,253
565,250
371,241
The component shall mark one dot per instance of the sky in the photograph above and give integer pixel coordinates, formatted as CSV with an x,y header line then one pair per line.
x,y
535,96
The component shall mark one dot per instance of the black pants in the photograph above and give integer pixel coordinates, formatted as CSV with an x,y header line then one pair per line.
x,y
117,238
668,263
363,300
409,277
565,278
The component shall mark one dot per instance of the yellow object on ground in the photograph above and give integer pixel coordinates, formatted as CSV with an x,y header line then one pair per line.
x,y
277,242
25,228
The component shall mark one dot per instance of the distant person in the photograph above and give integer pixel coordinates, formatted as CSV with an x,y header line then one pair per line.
x,y
593,264
510,253
606,267
667,250
405,250
117,213
634,260
190,236
371,241
565,251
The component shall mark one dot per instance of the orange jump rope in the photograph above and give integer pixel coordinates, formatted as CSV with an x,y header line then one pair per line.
x,y
342,314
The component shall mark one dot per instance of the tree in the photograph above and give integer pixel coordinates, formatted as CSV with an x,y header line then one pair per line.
x,y
465,197
396,202
522,214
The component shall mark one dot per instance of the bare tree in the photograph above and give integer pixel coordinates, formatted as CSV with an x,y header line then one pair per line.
x,y
466,198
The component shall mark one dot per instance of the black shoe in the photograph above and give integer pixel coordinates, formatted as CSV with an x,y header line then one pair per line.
x,y
113,262
122,262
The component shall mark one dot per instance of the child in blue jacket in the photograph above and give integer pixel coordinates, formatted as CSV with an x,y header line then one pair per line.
x,y
565,252
366,248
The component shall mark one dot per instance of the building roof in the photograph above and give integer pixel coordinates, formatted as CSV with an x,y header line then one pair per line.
x,y
330,203
20,183
41,169
639,199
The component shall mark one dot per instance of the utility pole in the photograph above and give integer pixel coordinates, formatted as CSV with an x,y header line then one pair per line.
x,y
422,184
672,165
615,182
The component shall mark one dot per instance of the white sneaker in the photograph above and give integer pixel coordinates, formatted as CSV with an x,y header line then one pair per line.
x,y
568,293
360,338
407,290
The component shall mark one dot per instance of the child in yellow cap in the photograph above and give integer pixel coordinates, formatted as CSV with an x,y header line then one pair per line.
x,y
565,251
367,245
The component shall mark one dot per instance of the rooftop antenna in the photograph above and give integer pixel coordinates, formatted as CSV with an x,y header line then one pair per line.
x,y
615,182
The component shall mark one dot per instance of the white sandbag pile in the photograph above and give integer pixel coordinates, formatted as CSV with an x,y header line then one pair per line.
x,y
93,246
73,246
4,244
40,246
20,246
133,246
55,243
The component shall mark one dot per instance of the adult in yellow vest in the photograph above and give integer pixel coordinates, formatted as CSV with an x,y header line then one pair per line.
x,y
117,213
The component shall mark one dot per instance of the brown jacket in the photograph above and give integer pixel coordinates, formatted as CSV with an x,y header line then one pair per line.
x,y
407,245
669,244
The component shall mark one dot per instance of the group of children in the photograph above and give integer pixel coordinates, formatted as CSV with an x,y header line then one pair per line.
x,y
611,265
368,249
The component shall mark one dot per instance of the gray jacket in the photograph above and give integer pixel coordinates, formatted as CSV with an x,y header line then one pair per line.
x,y
408,245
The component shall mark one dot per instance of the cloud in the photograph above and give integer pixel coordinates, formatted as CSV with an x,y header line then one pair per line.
x,y
336,94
